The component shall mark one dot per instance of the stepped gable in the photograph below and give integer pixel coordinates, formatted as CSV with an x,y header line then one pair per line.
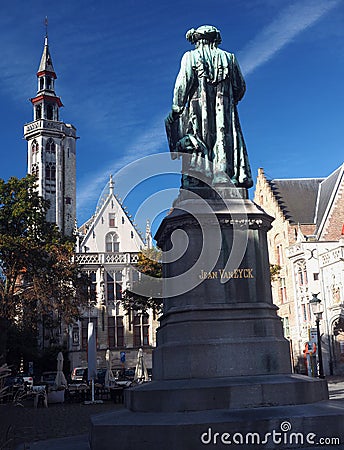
x,y
296,198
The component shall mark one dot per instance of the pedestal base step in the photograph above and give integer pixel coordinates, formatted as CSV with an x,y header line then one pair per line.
x,y
289,427
227,392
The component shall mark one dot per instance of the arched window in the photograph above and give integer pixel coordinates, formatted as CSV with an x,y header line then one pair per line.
x,y
34,147
38,112
279,252
50,112
301,272
111,243
50,171
50,146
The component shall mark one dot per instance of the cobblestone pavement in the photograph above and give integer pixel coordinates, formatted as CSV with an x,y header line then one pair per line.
x,y
26,424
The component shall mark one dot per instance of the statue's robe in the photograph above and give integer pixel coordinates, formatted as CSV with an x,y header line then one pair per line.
x,y
207,89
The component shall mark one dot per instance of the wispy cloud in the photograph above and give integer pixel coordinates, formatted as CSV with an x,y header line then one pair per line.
x,y
149,142
292,21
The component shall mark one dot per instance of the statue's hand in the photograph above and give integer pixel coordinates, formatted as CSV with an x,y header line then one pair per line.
x,y
172,117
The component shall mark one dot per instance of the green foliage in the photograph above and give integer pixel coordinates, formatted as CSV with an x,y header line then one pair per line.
x,y
275,270
149,264
38,277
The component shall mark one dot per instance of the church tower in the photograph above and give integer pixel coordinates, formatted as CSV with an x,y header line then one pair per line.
x,y
52,149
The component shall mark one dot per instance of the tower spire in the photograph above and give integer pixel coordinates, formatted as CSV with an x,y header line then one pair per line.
x,y
52,147
46,27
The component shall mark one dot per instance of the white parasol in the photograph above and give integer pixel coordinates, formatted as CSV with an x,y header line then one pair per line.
x,y
60,380
109,377
141,373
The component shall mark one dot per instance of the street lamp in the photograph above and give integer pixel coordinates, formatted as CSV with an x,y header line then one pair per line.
x,y
317,311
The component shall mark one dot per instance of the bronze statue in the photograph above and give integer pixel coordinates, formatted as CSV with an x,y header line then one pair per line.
x,y
204,123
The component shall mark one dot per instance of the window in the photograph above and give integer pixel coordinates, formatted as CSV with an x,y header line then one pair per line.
x,y
282,290
110,288
50,146
116,331
38,110
280,257
302,274
41,83
68,201
114,286
122,220
141,330
118,285
304,312
286,330
315,276
131,234
50,112
93,286
111,243
50,171
84,330
34,147
112,220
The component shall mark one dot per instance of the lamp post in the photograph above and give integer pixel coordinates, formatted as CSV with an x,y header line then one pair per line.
x,y
316,309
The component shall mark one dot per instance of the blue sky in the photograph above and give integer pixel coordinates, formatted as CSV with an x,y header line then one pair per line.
x,y
116,64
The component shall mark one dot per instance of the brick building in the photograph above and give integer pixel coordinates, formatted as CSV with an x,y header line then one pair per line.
x,y
309,217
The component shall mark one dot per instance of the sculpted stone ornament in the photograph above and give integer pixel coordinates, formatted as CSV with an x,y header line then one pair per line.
x,y
204,123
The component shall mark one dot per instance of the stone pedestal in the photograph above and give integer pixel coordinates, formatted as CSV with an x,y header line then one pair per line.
x,y
221,362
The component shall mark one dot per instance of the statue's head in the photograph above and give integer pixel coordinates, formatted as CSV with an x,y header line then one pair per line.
x,y
206,33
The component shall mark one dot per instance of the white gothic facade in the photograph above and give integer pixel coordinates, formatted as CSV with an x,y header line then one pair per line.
x,y
107,249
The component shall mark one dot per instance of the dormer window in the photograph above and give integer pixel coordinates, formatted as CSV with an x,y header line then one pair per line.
x,y
112,220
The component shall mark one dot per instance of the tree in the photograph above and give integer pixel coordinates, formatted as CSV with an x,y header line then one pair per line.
x,y
275,270
149,263
38,277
